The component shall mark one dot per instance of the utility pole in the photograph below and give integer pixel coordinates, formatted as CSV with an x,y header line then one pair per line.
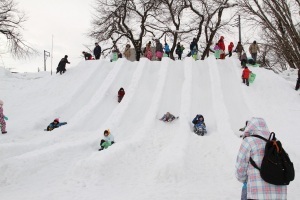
x,y
46,54
240,35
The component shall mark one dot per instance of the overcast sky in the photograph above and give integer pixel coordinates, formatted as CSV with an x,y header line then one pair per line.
x,y
67,20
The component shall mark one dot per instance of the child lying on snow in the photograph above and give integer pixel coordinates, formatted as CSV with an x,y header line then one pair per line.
x,y
107,141
55,124
199,125
168,117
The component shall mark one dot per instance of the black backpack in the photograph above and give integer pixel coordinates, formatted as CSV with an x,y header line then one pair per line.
x,y
276,167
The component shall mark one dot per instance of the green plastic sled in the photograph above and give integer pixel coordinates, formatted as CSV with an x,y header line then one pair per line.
x,y
115,57
105,145
252,78
165,55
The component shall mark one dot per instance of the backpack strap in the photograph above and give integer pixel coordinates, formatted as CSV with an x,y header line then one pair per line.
x,y
262,138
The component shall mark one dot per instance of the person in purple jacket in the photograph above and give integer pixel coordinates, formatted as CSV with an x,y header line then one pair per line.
x,y
254,147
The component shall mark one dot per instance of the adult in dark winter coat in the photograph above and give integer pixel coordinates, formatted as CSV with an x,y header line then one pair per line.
x,y
62,65
87,56
194,47
179,50
97,51
298,81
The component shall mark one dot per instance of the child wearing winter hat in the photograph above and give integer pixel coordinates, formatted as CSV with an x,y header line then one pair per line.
x,y
246,75
2,117
107,141
55,124
121,94
230,47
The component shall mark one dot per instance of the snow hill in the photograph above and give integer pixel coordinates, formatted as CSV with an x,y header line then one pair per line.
x,y
151,160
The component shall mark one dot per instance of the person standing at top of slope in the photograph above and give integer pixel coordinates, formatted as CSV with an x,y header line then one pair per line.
x,y
253,49
127,52
194,47
230,47
239,49
158,50
2,117
246,75
167,49
254,147
222,47
107,141
298,81
62,65
97,51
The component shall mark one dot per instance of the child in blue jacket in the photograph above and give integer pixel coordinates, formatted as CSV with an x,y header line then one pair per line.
x,y
55,124
199,125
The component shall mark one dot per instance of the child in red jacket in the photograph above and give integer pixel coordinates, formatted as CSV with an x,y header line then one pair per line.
x,y
246,75
121,94
230,47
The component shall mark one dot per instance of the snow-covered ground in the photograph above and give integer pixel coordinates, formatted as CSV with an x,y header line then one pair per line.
x,y
150,160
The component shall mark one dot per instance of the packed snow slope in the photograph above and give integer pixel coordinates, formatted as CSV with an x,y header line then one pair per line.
x,y
150,159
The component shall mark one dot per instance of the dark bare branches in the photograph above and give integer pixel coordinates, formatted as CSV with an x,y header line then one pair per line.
x,y
11,20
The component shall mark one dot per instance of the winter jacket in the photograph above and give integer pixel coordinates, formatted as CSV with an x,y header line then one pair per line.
x,y
230,46
167,48
239,48
53,125
254,147
158,47
246,73
97,50
127,52
244,57
197,122
62,63
87,56
168,118
109,138
253,48
179,49
194,46
221,44
1,112
216,47
121,93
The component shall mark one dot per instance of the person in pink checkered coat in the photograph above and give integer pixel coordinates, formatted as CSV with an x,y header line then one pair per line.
x,y
2,121
254,147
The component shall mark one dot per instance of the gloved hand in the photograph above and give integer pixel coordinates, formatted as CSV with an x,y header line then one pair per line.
x,y
245,185
5,118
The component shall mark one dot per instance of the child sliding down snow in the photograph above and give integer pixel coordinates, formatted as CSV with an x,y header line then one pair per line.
x,y
168,117
2,117
55,124
107,141
121,94
199,125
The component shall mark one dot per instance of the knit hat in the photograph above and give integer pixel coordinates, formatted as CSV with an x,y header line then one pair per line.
x,y
1,102
56,120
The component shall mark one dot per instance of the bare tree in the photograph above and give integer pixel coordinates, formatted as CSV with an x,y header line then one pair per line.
x,y
279,22
209,20
119,19
167,21
11,20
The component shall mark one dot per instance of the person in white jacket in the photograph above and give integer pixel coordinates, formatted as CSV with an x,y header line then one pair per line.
x,y
107,141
